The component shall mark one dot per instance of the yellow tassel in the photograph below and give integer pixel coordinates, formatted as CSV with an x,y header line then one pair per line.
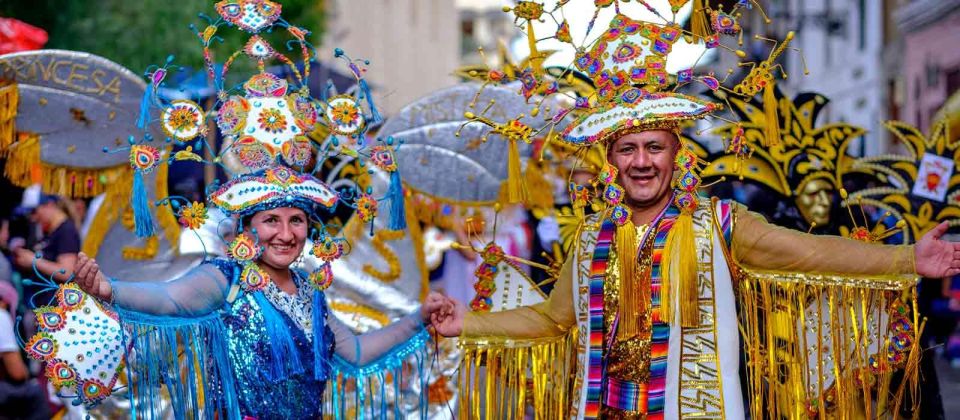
x,y
772,119
536,61
681,273
699,24
632,303
540,197
9,100
516,187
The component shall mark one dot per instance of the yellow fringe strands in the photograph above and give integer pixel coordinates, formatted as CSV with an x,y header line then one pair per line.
x,y
631,291
828,347
771,116
699,22
516,379
516,187
9,101
681,273
24,168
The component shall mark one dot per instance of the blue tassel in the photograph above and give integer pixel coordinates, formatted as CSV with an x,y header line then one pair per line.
x,y
374,114
141,207
285,361
320,369
144,117
162,344
398,215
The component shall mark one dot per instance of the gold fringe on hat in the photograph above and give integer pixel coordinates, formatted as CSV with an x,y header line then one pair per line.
x,y
9,100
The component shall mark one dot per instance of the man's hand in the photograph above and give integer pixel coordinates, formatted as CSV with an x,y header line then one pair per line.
x,y
935,257
89,277
448,321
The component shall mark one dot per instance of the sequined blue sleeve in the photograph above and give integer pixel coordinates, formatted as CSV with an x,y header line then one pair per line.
x,y
199,292
174,326
364,349
375,359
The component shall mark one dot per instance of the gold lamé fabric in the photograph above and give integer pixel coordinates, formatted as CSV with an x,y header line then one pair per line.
x,y
755,244
758,244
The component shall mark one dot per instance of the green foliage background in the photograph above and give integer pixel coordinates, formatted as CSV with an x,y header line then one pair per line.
x,y
141,33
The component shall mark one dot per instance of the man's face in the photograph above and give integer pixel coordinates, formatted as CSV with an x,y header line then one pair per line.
x,y
645,163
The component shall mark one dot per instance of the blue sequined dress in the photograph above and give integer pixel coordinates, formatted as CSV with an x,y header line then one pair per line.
x,y
223,352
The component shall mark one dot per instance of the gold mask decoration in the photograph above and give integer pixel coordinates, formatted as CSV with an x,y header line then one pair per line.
x,y
807,164
813,200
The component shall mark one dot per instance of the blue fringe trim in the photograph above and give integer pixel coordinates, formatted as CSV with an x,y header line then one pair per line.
x,y
141,207
320,366
372,377
398,215
374,114
285,361
188,356
144,117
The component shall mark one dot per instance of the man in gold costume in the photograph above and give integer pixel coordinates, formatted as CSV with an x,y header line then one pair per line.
x,y
656,333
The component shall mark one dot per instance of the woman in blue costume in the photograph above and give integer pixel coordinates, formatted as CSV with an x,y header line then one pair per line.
x,y
255,333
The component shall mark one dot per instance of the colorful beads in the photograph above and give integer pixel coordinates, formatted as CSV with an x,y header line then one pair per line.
x,y
322,277
327,249
94,390
183,120
724,23
144,158
70,297
232,115
252,153
243,248
620,215
192,216
265,85
250,15
366,208
253,278
60,374
272,121
50,318
486,273
41,346
344,115
382,157
297,152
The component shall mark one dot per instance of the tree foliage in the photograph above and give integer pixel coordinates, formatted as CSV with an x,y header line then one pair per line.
x,y
138,34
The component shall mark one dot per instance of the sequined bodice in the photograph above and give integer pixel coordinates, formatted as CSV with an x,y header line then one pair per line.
x,y
627,360
297,396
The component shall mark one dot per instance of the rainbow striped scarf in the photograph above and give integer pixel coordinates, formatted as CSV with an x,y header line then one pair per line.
x,y
624,395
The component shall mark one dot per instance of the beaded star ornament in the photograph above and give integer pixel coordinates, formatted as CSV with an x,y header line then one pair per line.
x,y
80,341
268,127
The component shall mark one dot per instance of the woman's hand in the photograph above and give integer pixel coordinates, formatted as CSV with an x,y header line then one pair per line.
x,y
448,321
88,276
434,303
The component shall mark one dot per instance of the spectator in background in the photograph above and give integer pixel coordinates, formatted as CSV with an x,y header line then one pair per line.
x,y
20,396
61,240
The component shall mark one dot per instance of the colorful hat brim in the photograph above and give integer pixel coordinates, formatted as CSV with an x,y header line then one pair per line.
x,y
265,190
634,108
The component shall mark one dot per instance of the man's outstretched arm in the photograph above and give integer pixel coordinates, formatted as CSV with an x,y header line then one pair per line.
x,y
758,244
551,318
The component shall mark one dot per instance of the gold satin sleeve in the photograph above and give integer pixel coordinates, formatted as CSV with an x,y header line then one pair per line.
x,y
761,245
550,318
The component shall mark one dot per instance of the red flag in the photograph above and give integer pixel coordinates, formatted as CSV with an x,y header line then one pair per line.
x,y
17,36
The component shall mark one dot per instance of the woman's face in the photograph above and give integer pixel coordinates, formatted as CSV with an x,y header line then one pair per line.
x,y
44,215
282,233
